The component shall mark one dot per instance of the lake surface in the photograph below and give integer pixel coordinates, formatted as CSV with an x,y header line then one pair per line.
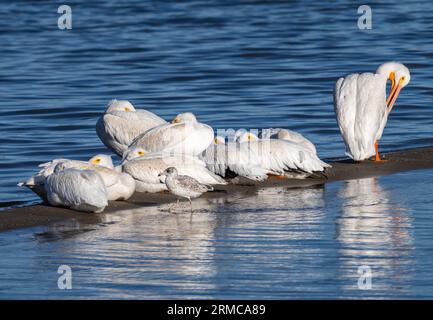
x,y
235,64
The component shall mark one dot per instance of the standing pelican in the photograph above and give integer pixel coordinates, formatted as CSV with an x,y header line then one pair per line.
x,y
122,123
362,108
81,190
184,135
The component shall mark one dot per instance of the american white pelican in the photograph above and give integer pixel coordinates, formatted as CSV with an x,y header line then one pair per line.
x,y
283,157
184,135
124,187
145,168
81,190
232,160
122,123
362,108
183,186
120,186
289,135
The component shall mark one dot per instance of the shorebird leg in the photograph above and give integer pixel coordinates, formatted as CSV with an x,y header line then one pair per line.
x,y
190,202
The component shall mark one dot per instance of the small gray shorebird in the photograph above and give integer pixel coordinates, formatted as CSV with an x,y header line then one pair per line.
x,y
183,186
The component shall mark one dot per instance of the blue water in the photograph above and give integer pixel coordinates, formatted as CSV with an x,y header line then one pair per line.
x,y
234,64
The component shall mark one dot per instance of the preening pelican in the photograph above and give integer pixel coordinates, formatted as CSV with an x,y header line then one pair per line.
x,y
232,160
81,190
362,108
122,123
120,186
146,168
184,135
283,157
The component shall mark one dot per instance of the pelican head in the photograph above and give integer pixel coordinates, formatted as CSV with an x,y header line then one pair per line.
x,y
219,140
399,76
120,105
185,117
246,137
133,154
284,134
102,160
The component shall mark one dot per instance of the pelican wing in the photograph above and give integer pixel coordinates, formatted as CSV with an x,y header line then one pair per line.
x,y
298,138
236,158
76,188
280,156
189,138
147,169
117,130
360,107
345,110
372,113
149,117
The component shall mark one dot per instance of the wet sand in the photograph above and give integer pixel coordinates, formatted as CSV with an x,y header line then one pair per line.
x,y
342,169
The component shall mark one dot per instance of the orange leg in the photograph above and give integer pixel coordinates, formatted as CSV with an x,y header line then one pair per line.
x,y
377,157
278,177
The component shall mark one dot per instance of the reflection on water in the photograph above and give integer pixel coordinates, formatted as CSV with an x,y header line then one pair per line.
x,y
271,243
373,231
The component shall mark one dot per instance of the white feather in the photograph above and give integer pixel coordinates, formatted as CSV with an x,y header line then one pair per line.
x,y
81,190
189,137
117,128
360,107
145,171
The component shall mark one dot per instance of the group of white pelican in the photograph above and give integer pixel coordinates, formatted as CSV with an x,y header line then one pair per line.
x,y
186,158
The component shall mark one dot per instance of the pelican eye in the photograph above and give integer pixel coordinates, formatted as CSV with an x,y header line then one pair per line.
x,y
250,137
401,80
392,78
140,153
175,120
96,161
127,109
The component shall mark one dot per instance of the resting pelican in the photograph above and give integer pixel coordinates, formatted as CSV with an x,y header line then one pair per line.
x,y
184,135
122,123
233,159
146,168
362,108
81,190
289,135
105,160
281,156
120,186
